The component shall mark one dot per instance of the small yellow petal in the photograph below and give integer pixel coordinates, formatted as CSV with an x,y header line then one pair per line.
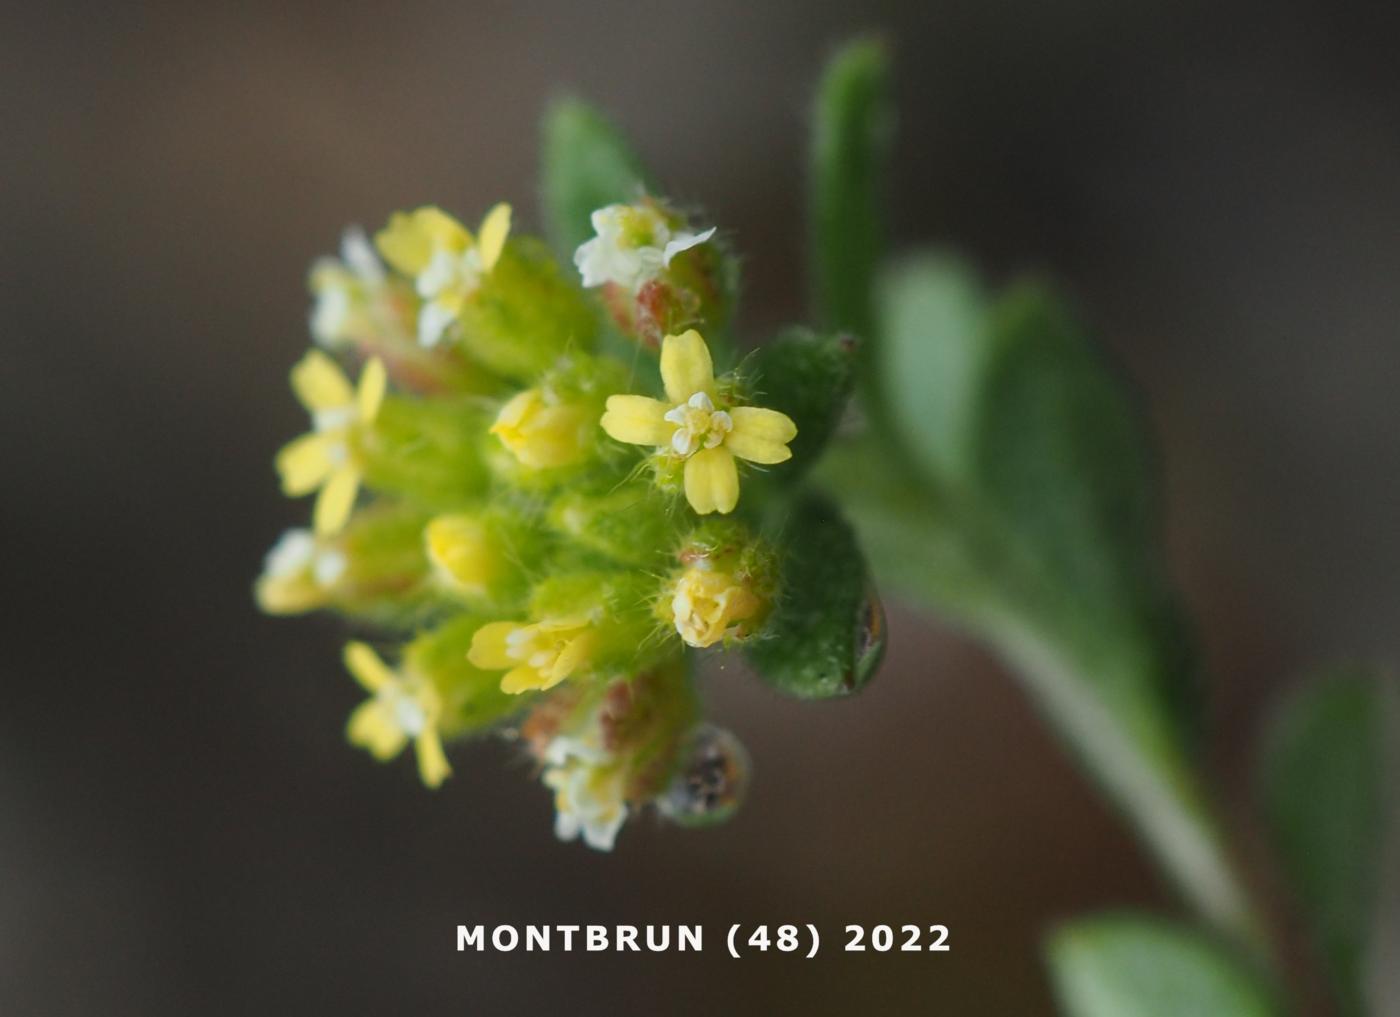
x,y
304,463
411,238
523,679
767,425
516,409
492,238
320,384
432,761
637,420
574,654
712,481
488,650
757,450
295,595
335,502
686,367
559,623
366,667
759,435
370,393
372,727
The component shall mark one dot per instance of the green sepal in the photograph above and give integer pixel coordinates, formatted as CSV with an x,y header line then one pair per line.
x,y
426,450
386,574
587,164
631,525
472,699
1136,966
526,314
826,634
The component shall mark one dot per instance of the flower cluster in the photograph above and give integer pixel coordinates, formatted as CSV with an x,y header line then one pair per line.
x,y
535,472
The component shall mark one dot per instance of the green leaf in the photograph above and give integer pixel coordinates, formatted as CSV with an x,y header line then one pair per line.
x,y
808,377
1006,482
587,164
922,378
852,125
1127,966
827,632
1327,784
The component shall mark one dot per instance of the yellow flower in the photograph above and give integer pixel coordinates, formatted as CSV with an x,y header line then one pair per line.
x,y
708,605
401,706
299,574
462,554
322,460
539,655
444,260
541,433
707,437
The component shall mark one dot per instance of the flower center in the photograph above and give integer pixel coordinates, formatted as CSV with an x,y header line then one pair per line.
x,y
698,425
409,712
334,418
641,227
450,272
537,649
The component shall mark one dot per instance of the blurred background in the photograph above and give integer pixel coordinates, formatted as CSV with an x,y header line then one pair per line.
x,y
182,828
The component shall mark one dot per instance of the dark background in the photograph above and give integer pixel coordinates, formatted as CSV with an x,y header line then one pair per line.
x,y
182,828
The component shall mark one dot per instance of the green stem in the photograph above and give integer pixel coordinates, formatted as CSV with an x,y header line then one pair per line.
x,y
1168,807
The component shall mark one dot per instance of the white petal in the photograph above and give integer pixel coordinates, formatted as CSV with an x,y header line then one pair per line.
x,y
358,254
331,315
433,321
439,275
332,418
292,553
566,826
601,834
330,566
684,242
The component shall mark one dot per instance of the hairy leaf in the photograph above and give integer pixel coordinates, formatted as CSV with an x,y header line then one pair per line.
x,y
1128,966
1328,784
586,164
851,130
827,633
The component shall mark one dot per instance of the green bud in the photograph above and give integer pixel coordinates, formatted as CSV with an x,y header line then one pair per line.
x,y
525,315
630,525
471,698
427,450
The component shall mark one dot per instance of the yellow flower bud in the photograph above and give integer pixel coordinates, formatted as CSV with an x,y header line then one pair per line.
x,y
462,554
707,606
541,433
